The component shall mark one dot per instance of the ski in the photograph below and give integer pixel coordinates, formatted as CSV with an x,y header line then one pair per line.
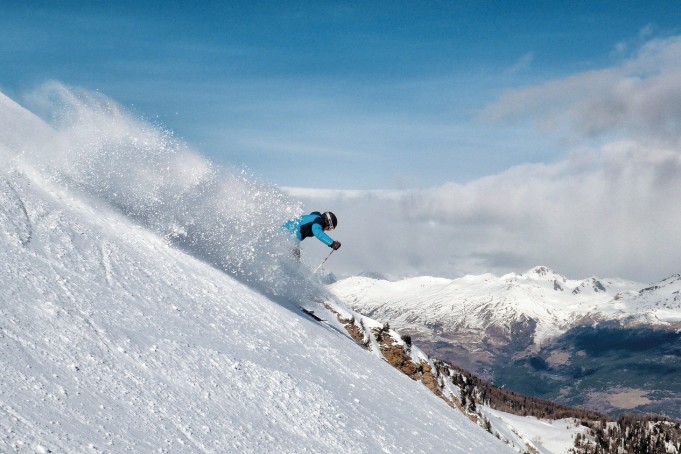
x,y
312,314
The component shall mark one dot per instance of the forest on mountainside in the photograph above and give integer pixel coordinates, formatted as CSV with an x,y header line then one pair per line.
x,y
632,434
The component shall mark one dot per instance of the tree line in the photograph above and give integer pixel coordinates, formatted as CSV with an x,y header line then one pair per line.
x,y
629,434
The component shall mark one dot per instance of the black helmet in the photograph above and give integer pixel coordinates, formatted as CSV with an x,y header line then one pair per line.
x,y
330,220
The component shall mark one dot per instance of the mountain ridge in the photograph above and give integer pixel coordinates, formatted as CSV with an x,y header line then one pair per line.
x,y
542,334
540,293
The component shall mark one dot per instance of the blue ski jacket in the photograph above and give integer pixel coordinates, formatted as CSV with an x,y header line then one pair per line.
x,y
306,226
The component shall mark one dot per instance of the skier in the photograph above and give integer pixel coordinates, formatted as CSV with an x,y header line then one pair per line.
x,y
313,224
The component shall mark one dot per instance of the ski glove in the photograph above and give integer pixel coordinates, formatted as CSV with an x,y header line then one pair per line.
x,y
336,245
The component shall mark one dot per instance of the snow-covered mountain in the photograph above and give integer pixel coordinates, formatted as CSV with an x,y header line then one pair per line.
x,y
550,302
138,315
607,344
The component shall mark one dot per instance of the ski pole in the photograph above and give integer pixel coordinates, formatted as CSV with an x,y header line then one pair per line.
x,y
327,258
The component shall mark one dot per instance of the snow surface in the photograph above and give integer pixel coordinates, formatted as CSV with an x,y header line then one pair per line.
x,y
144,308
545,436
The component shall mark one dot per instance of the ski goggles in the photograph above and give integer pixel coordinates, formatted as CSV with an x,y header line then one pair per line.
x,y
328,224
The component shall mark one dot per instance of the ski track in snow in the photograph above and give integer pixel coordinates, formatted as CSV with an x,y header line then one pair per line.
x,y
111,340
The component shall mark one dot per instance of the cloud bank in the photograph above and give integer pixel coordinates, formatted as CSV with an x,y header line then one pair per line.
x,y
608,208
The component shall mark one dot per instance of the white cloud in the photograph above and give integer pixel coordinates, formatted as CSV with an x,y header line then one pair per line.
x,y
522,64
611,212
610,208
647,31
639,98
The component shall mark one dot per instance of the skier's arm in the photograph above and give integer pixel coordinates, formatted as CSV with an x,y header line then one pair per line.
x,y
318,232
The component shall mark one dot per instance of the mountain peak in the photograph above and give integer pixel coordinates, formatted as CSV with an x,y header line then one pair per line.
x,y
543,273
592,284
541,270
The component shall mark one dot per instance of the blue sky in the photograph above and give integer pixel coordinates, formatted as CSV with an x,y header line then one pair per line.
x,y
361,95
501,135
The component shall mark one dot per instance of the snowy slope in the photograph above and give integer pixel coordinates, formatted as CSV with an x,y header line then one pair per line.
x,y
661,302
539,295
546,437
126,324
